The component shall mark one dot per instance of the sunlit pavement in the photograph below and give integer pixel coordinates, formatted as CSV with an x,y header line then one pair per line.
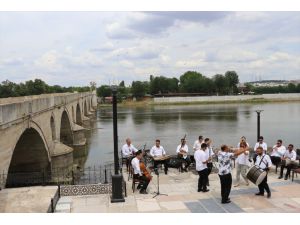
x,y
183,197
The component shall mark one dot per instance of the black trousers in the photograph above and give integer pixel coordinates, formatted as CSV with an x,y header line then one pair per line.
x,y
203,179
226,182
164,162
264,186
288,170
144,181
254,157
187,161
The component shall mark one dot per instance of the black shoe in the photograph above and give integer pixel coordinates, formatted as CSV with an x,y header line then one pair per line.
x,y
280,177
269,195
258,193
142,191
166,172
225,202
206,190
199,190
286,178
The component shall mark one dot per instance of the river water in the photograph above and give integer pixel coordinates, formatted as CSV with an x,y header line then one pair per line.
x,y
224,123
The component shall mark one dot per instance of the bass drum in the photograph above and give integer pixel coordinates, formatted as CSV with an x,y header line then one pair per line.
x,y
256,175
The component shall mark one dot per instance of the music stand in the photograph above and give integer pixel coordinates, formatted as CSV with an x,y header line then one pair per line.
x,y
157,193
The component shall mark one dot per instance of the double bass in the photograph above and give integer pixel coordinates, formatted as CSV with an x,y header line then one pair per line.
x,y
145,171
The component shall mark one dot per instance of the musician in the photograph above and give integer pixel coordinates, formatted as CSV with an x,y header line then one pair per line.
x,y
182,152
201,160
224,164
209,154
291,155
242,163
128,151
277,152
262,144
264,162
137,173
156,151
197,143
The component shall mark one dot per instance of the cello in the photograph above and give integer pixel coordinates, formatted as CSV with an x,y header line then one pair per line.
x,y
145,171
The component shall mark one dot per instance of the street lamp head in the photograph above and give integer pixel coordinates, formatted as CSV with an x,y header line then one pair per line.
x,y
258,111
114,88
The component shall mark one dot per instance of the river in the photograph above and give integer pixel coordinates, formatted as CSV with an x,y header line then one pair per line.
x,y
224,123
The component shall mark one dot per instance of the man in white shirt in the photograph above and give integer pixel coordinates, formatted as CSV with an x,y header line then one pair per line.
x,y
242,163
197,143
201,160
277,152
137,173
262,144
128,151
263,161
156,151
290,155
224,164
209,154
182,152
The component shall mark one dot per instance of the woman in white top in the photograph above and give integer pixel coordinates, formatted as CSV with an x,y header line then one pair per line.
x,y
242,163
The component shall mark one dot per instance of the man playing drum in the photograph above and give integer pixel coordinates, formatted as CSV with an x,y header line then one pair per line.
x,y
263,161
289,160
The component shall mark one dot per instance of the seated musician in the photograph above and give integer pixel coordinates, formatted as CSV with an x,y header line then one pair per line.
x,y
182,151
137,173
277,152
128,151
157,151
290,154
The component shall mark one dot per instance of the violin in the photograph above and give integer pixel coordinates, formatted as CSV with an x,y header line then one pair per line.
x,y
145,171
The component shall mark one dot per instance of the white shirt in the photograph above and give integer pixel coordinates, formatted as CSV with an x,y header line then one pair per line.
x,y
157,151
279,152
263,145
243,159
136,166
224,162
200,157
266,161
197,145
290,155
185,148
209,152
128,150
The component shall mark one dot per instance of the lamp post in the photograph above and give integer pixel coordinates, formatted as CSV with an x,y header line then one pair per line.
x,y
258,122
117,179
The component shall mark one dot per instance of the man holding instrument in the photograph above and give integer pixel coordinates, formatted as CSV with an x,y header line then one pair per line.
x,y
290,155
156,152
138,174
263,161
182,152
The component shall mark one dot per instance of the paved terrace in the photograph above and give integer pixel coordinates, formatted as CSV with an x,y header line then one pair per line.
x,y
184,198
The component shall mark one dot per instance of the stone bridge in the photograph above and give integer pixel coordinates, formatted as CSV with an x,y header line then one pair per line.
x,y
41,133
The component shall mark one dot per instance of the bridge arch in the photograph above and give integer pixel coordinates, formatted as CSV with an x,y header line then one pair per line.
x,y
66,135
30,154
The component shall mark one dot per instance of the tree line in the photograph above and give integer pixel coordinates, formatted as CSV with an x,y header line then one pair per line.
x,y
290,88
189,82
36,87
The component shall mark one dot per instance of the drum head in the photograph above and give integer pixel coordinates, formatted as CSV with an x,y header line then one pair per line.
x,y
261,177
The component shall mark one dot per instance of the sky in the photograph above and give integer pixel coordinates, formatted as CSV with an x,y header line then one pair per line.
x,y
74,48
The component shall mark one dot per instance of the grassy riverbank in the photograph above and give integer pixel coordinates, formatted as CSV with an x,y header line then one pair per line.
x,y
150,102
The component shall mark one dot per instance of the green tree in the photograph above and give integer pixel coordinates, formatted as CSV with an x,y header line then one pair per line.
x,y
232,80
138,89
104,91
220,84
